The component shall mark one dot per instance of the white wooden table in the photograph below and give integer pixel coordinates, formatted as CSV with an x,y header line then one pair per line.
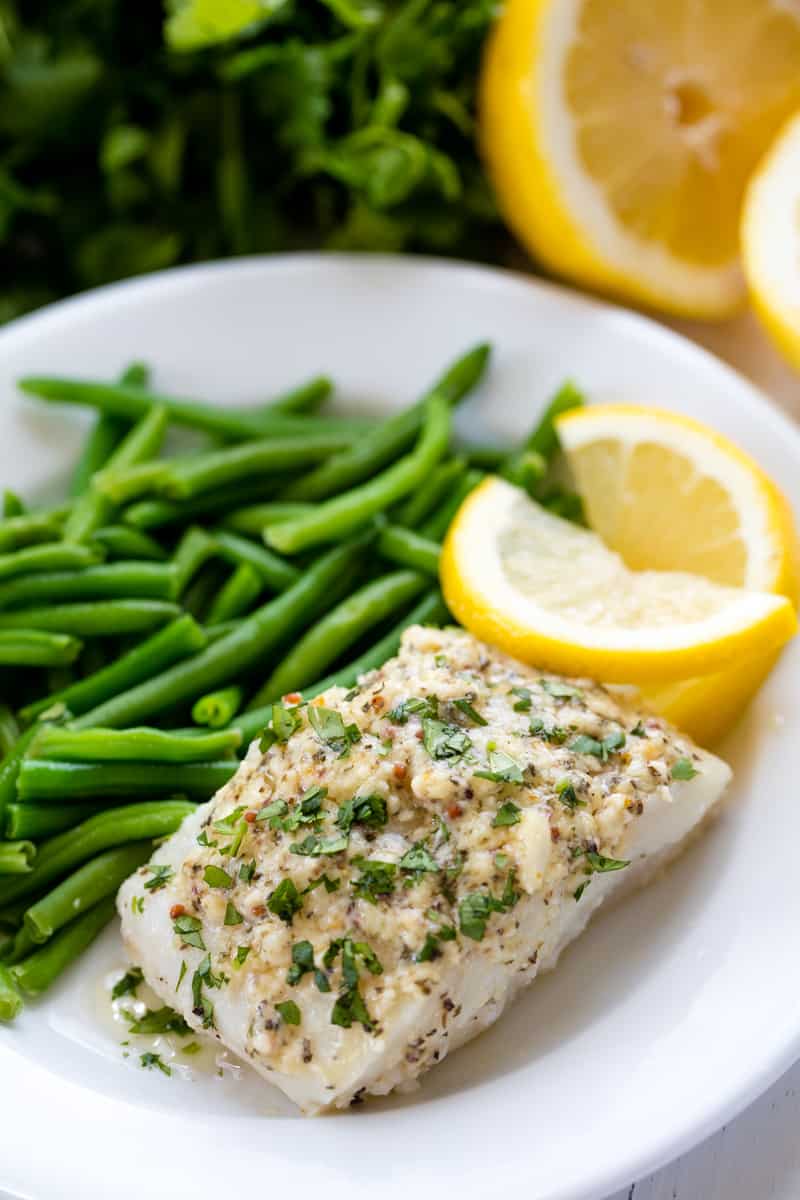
x,y
757,1156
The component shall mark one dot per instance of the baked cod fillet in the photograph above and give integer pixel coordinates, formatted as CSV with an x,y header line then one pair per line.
x,y
391,864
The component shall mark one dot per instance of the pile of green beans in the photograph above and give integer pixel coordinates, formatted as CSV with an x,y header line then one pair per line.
x,y
149,622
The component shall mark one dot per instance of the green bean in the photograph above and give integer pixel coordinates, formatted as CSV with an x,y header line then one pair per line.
x,y
93,620
97,745
42,821
30,529
154,514
9,771
238,651
9,730
112,827
176,641
340,516
194,550
430,611
526,469
409,549
134,403
36,973
55,556
21,946
486,458
392,438
431,493
217,709
96,879
221,629
437,525
252,519
304,399
566,504
35,648
11,915
16,857
122,541
92,509
544,439
201,592
192,475
64,782
238,595
338,630
10,1000
13,505
105,436
276,573
142,479
121,580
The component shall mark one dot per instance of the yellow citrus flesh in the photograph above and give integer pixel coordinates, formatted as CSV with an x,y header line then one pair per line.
x,y
675,495
620,136
551,593
771,241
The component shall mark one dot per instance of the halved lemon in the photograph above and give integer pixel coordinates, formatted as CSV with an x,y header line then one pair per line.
x,y
551,593
620,135
771,241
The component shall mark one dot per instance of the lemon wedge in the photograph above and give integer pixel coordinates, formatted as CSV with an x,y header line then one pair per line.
x,y
551,593
771,241
620,137
666,491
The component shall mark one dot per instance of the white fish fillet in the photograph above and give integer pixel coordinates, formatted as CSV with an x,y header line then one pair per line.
x,y
513,865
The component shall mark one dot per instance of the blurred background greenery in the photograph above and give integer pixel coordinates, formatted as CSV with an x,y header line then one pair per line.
x,y
133,139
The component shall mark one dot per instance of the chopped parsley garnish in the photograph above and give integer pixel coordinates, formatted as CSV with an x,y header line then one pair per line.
x,y
507,814
191,1048
137,904
241,954
580,889
464,706
555,734
377,879
683,769
247,871
525,699
202,839
232,915
148,1060
285,901
307,811
289,1011
476,908
282,724
415,706
418,859
562,691
430,947
160,1020
329,727
362,810
638,730
216,877
349,1005
233,825
444,741
600,864
181,974
188,928
583,744
565,790
302,964
127,985
313,846
162,873
331,884
201,1005
502,768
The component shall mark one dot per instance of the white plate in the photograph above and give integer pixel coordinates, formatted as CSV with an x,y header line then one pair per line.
x,y
665,1019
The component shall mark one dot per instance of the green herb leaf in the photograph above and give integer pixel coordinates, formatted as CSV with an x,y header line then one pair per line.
x,y
127,985
149,1059
418,858
507,814
162,873
188,928
525,700
285,901
289,1011
555,734
247,871
362,810
241,954
160,1020
313,846
683,769
561,690
502,768
600,864
377,879
283,723
600,749
565,790
216,877
415,706
444,741
464,706
329,727
232,915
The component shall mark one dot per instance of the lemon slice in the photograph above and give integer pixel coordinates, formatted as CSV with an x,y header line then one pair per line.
x,y
668,492
620,136
771,241
551,593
